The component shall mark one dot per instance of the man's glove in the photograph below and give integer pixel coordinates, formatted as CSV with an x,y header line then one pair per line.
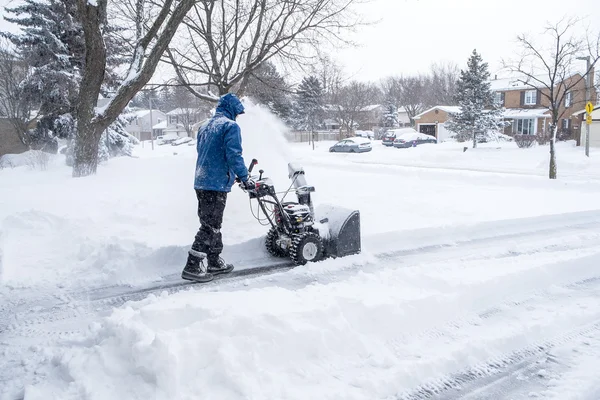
x,y
248,184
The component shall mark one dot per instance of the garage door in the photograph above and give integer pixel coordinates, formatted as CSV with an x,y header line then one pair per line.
x,y
443,133
595,134
428,129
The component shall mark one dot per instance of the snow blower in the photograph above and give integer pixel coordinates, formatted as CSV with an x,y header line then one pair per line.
x,y
295,231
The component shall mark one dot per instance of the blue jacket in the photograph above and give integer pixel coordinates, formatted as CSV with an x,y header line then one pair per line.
x,y
219,148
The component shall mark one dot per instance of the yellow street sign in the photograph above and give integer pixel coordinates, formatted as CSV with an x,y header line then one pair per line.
x,y
589,107
588,120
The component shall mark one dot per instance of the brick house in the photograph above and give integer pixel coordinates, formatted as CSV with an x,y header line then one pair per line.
x,y
526,109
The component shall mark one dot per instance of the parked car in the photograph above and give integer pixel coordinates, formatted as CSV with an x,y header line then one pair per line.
x,y
413,139
388,138
365,134
166,139
392,134
351,145
181,141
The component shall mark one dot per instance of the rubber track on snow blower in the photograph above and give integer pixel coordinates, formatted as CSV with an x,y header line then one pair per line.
x,y
179,283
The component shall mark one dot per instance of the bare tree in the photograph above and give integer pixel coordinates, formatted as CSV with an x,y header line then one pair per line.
x,y
14,104
330,74
351,101
226,40
412,91
551,69
441,85
149,47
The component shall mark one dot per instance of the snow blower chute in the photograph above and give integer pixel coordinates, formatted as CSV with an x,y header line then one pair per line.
x,y
299,231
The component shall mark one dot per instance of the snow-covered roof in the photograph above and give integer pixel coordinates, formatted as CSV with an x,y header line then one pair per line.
x,y
141,113
597,108
161,125
525,112
371,107
448,109
515,83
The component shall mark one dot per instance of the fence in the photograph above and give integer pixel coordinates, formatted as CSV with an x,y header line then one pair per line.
x,y
304,137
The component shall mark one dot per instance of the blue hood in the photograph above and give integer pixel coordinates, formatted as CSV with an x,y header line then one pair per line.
x,y
230,106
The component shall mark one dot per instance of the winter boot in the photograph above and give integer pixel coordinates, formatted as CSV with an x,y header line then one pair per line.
x,y
218,266
194,269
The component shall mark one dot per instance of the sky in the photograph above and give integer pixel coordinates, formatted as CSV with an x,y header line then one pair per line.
x,y
410,35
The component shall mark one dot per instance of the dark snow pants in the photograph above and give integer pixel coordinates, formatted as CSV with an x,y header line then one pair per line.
x,y
211,206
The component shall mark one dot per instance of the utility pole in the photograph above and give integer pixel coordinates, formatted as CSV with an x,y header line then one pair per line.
x,y
587,100
151,120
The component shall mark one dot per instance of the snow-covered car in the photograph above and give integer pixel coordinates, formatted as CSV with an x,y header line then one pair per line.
x,y
352,145
365,134
392,134
413,139
181,141
166,139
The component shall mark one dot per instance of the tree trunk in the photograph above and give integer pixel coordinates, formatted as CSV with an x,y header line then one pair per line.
x,y
88,133
552,172
474,139
85,154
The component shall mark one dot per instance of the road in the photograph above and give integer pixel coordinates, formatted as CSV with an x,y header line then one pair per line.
x,y
514,311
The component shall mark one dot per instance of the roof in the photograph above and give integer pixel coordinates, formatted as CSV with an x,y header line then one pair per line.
x,y
161,125
371,107
507,113
448,109
597,107
525,112
513,83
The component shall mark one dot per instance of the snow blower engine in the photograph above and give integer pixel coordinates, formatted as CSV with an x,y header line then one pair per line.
x,y
295,231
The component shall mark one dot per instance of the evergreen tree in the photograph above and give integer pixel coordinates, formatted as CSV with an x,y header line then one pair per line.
x,y
309,104
479,116
52,44
390,115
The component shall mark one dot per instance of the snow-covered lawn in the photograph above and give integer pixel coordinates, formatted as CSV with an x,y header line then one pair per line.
x,y
468,257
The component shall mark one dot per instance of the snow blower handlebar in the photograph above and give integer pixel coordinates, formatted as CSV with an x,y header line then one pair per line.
x,y
250,168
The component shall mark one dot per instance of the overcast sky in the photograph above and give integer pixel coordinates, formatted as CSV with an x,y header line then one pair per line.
x,y
413,34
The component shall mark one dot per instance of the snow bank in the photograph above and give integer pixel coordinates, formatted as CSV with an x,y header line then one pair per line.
x,y
322,342
372,334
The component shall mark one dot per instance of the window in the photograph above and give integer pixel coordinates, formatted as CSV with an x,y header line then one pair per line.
x,y
530,97
566,124
569,99
498,98
524,126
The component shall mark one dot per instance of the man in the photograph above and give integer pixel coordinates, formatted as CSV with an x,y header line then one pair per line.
x,y
218,165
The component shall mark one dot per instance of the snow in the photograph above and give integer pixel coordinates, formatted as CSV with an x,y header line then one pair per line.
x,y
469,258
448,109
525,113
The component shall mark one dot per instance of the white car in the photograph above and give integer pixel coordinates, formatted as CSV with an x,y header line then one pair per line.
x,y
181,141
166,139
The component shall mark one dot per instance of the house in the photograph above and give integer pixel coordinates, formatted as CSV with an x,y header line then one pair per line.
x,y
580,116
403,118
526,109
431,121
186,118
372,116
143,122
9,140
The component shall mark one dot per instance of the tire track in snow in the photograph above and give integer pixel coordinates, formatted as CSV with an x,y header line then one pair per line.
x,y
65,305
498,367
